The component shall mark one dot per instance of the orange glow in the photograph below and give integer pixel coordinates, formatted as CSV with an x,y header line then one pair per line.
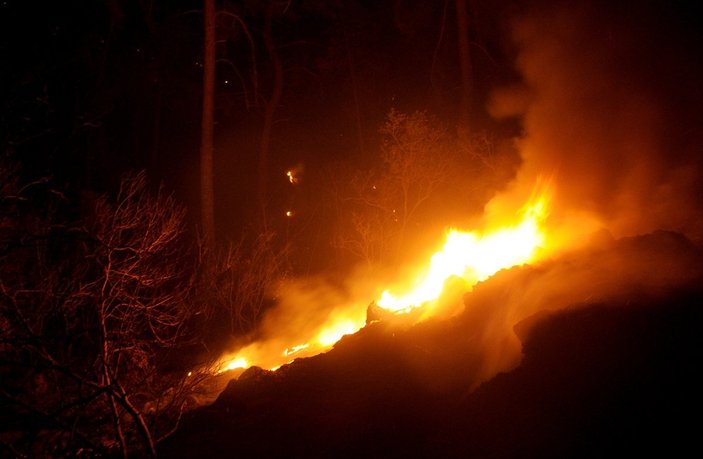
x,y
292,176
330,335
472,256
233,364
475,257
295,349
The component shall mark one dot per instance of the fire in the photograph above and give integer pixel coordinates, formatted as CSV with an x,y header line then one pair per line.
x,y
295,349
334,333
472,256
293,175
239,362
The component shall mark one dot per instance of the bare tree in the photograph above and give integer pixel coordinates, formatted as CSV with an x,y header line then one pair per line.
x,y
270,109
88,310
237,282
207,146
462,20
217,25
382,203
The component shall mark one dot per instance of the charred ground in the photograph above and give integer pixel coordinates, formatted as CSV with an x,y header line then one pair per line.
x,y
610,372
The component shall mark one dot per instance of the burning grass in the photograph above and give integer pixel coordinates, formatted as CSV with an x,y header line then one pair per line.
x,y
468,256
561,357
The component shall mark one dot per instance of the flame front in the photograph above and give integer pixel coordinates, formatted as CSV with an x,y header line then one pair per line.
x,y
474,257
471,256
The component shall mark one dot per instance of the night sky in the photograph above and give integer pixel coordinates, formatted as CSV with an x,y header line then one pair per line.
x,y
93,89
607,95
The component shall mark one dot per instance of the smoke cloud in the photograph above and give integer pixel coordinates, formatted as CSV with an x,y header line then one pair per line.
x,y
611,103
629,272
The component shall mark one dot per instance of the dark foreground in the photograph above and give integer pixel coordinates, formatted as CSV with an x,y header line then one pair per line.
x,y
611,363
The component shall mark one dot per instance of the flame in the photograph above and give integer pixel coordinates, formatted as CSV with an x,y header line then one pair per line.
x,y
294,174
233,364
472,256
295,349
334,333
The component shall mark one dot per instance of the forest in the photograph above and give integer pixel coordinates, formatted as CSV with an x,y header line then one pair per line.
x,y
180,179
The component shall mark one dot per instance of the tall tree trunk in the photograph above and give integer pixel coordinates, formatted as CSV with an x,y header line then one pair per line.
x,y
462,20
271,105
207,193
355,92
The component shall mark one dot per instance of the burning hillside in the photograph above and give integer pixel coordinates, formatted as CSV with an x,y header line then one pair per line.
x,y
464,259
617,136
412,229
578,332
614,347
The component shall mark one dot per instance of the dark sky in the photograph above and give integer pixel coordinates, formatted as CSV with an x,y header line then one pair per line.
x,y
607,96
95,87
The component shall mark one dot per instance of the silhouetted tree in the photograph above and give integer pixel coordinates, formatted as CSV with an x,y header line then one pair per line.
x,y
207,146
237,281
382,203
88,308
462,21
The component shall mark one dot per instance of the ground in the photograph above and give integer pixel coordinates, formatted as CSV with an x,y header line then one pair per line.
x,y
615,375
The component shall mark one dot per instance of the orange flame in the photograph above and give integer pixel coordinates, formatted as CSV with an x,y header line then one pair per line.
x,y
471,256
474,257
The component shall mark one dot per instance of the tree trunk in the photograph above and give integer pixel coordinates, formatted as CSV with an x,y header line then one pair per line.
x,y
462,20
355,92
271,105
207,193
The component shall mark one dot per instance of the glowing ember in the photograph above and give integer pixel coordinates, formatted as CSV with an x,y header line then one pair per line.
x,y
474,257
292,177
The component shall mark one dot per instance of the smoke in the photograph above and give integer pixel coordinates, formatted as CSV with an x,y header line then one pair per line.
x,y
628,272
611,101
311,314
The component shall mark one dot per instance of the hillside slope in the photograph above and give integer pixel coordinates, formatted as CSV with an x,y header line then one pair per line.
x,y
614,373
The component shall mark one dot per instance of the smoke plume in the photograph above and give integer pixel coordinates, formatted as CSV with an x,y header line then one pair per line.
x,y
611,105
